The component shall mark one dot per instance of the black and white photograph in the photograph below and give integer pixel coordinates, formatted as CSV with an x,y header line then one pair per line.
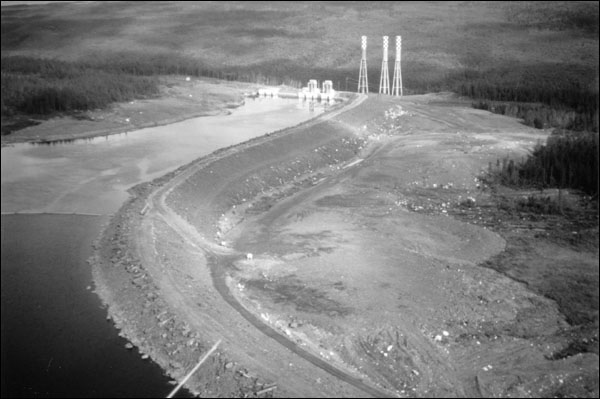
x,y
282,199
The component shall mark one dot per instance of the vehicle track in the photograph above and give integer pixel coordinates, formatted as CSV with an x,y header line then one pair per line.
x,y
218,259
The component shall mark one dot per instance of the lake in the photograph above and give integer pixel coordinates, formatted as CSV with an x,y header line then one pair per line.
x,y
55,199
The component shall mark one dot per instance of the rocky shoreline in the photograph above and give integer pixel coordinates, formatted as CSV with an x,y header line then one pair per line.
x,y
215,193
135,306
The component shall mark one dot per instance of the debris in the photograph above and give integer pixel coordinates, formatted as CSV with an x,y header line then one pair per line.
x,y
438,338
267,389
244,373
445,333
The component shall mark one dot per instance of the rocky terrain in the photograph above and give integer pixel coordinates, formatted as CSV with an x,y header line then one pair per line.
x,y
381,264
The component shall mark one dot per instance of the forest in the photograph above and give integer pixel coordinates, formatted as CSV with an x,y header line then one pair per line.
x,y
534,61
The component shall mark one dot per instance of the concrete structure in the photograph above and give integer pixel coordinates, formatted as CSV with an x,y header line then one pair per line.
x,y
312,91
384,81
363,81
328,93
270,92
397,80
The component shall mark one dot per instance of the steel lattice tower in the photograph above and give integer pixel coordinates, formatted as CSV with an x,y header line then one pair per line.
x,y
397,80
363,82
384,81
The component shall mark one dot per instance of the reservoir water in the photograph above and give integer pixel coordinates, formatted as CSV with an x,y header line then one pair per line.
x,y
56,341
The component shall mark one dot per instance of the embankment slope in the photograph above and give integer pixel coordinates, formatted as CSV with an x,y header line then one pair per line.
x,y
356,259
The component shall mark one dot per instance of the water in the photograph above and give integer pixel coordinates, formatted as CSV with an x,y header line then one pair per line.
x,y
92,176
56,341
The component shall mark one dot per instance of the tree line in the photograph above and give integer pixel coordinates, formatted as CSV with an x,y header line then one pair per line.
x,y
541,96
567,160
44,86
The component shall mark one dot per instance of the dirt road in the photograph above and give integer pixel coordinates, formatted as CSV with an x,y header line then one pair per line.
x,y
368,242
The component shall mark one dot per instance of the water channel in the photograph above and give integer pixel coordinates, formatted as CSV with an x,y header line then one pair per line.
x,y
56,341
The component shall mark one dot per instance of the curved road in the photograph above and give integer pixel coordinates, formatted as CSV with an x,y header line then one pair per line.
x,y
218,257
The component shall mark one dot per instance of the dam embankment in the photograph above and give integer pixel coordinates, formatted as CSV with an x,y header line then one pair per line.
x,y
297,157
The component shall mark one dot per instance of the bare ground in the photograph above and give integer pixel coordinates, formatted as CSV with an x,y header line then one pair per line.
x,y
382,264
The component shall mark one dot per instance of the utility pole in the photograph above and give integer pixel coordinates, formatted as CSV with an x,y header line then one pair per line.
x,y
363,83
384,81
397,80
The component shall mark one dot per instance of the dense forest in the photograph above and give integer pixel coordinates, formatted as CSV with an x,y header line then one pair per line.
x,y
44,86
567,160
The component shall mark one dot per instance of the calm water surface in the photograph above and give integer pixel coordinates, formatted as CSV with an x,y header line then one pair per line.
x,y
56,341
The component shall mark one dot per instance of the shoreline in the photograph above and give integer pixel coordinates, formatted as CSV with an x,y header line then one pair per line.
x,y
179,100
138,272
111,280
108,131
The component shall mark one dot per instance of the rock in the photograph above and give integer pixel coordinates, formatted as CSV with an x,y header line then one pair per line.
x,y
228,365
176,365
128,345
294,324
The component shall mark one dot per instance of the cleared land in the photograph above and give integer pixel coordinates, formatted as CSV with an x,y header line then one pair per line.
x,y
376,249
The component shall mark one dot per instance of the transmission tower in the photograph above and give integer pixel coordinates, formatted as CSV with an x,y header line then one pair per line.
x,y
363,83
384,81
397,81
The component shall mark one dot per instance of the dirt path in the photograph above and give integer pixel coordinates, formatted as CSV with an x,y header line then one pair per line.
x,y
366,272
217,255
457,321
